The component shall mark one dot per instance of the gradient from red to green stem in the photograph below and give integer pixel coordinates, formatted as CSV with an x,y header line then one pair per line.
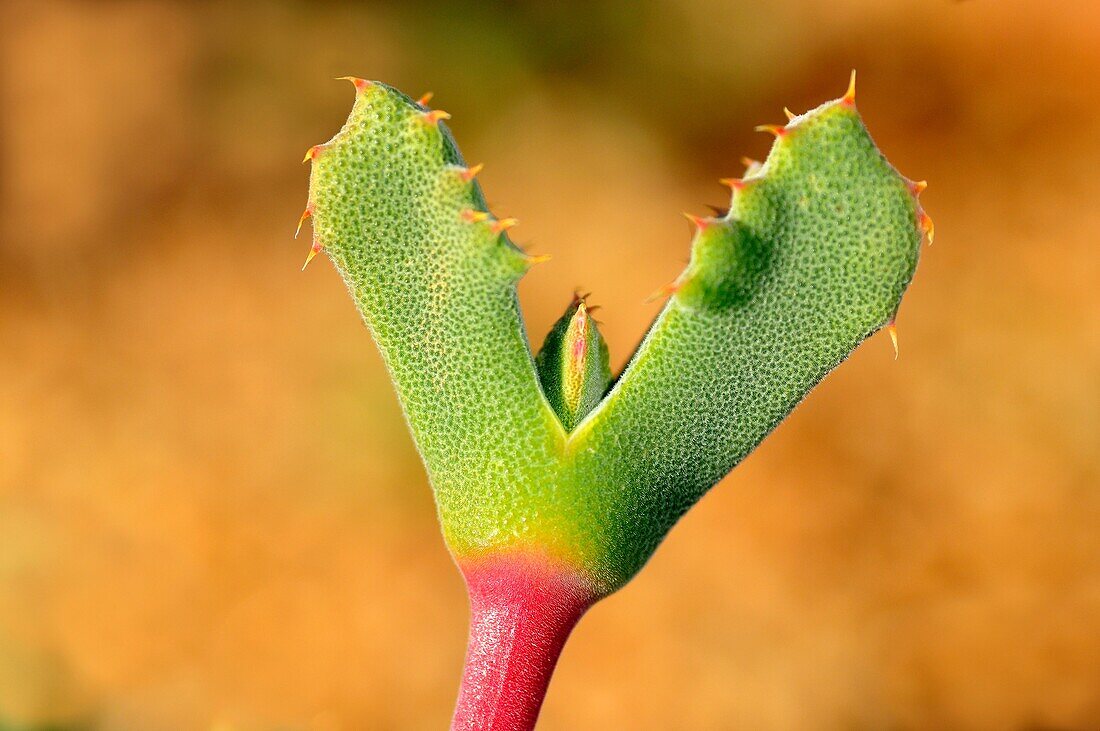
x,y
523,607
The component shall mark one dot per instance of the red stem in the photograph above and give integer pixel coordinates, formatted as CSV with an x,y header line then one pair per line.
x,y
521,612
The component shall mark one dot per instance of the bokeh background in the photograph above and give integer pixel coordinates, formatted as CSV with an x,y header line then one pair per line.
x,y
211,514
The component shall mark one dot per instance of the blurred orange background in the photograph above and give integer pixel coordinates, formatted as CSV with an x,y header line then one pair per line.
x,y
212,516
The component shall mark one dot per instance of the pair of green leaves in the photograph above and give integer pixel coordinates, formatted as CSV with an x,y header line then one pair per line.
x,y
817,249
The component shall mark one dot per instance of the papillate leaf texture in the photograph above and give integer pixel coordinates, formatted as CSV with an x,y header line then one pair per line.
x,y
818,247
574,365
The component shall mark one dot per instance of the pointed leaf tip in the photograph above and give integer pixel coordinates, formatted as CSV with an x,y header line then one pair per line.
x,y
892,329
435,115
577,334
699,221
927,227
470,173
313,251
425,98
582,310
774,129
471,216
752,167
503,225
305,214
667,290
359,84
850,95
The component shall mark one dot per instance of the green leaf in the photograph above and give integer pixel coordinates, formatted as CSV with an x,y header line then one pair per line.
x,y
574,364
819,246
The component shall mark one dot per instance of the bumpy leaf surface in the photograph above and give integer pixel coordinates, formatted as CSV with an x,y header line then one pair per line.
x,y
574,365
815,254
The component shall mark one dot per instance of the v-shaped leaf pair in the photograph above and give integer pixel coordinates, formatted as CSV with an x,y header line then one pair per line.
x,y
817,249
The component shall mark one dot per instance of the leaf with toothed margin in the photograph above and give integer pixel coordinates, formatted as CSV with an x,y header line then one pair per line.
x,y
434,275
814,255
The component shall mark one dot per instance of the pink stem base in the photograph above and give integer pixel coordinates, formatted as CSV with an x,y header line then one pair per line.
x,y
522,609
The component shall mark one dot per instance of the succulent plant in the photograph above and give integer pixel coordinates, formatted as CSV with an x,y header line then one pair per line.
x,y
555,484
